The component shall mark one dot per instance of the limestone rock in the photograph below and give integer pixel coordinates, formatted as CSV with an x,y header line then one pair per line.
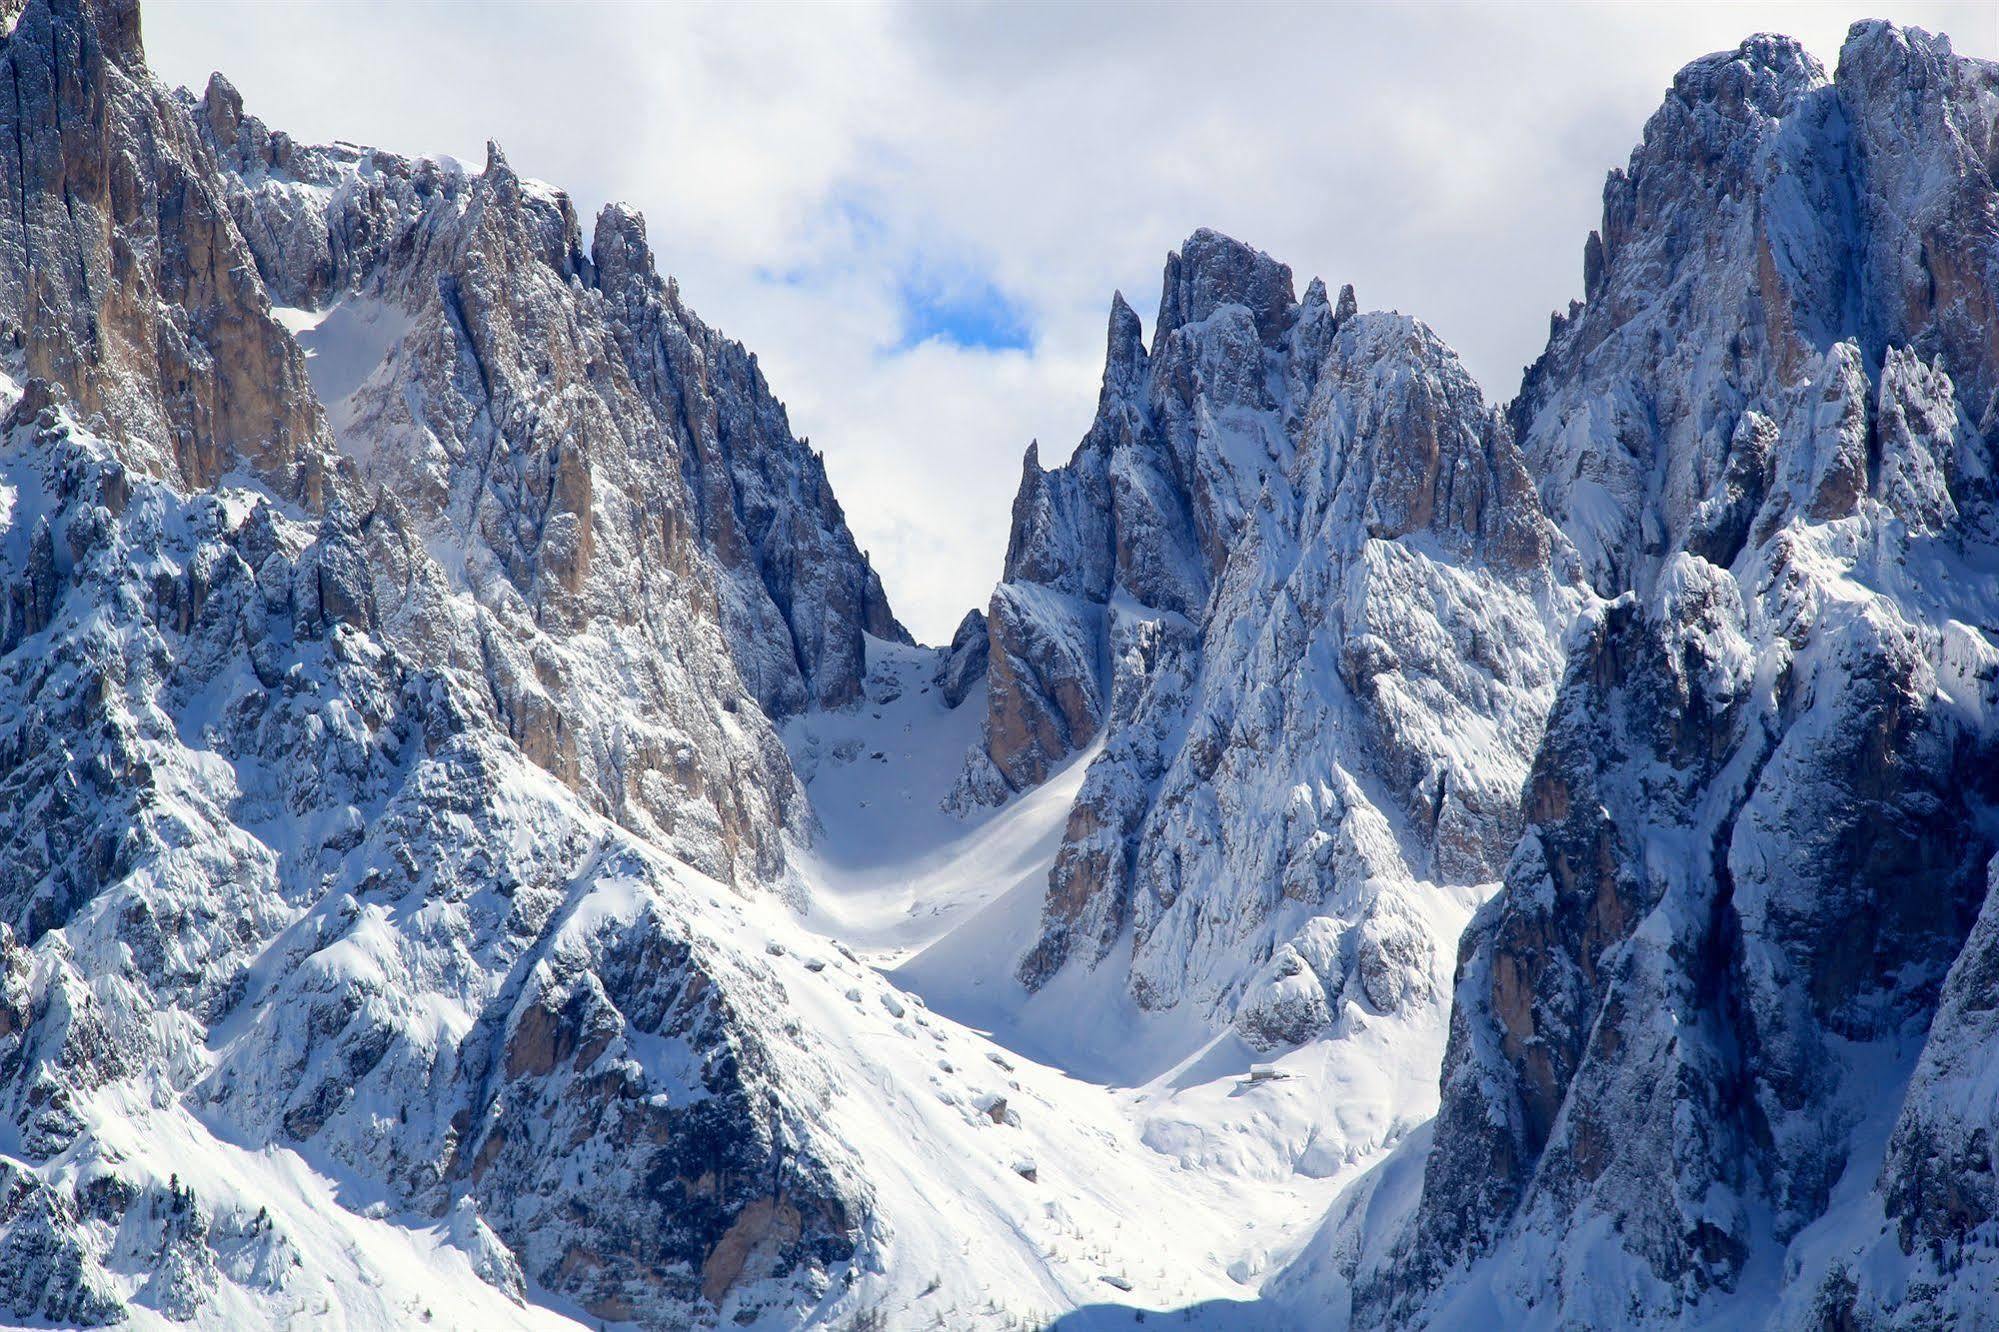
x,y
1756,839
1293,567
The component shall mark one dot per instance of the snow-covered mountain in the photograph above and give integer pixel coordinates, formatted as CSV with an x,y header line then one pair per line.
x,y
480,851
375,684
1297,579
1713,1052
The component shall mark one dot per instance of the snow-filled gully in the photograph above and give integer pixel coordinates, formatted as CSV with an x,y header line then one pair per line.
x,y
1069,1155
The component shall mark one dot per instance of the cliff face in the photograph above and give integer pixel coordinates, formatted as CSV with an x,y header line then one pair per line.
x,y
336,225
121,277
1760,823
398,594
387,671
1296,583
643,540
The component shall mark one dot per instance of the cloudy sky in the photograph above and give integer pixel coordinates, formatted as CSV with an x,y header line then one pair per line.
x,y
916,214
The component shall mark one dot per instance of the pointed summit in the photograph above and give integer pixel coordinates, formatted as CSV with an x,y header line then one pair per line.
x,y
1348,306
618,248
1124,350
1212,270
222,105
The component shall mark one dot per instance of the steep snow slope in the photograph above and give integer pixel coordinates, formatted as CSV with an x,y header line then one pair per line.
x,y
890,868
944,904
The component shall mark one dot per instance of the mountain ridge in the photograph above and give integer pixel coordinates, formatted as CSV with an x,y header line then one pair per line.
x,y
475,844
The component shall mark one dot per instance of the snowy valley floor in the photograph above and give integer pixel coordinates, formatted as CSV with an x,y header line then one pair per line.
x,y
1163,1178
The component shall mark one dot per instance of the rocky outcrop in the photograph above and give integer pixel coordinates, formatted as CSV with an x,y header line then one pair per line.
x,y
965,662
1759,824
373,723
335,225
653,564
121,277
1297,579
767,513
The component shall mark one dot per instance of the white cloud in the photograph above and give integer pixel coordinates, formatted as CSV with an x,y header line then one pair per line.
x,y
798,165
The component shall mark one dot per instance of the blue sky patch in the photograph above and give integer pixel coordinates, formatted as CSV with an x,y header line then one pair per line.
x,y
935,297
961,308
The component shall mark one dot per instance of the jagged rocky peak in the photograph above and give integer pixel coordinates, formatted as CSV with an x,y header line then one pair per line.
x,y
121,278
1789,216
1210,271
1923,143
796,594
1295,581
1348,306
767,511
1134,510
488,404
382,732
645,476
1760,824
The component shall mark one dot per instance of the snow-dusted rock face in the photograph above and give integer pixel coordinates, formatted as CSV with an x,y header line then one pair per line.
x,y
965,661
1760,825
1298,578
270,880
378,709
439,246
643,540
1767,220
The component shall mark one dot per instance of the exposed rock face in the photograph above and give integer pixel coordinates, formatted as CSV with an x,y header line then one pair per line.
x,y
360,727
121,277
768,516
1937,1183
965,663
336,224
1760,823
1297,577
284,875
643,540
